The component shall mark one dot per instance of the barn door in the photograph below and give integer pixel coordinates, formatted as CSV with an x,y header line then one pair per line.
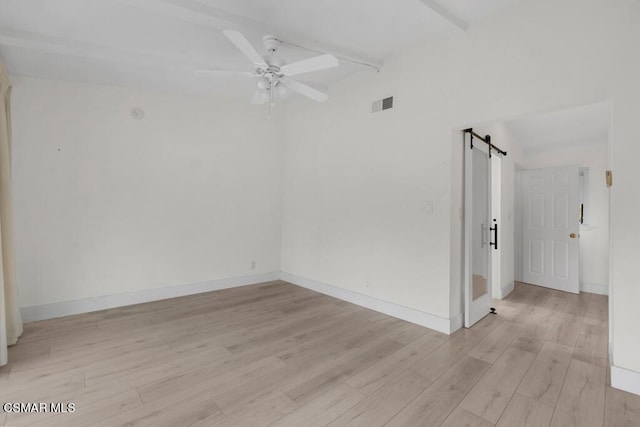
x,y
479,231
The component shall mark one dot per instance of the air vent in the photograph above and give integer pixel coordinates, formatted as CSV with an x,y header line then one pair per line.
x,y
382,104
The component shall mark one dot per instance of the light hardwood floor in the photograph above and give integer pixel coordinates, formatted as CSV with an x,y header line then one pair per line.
x,y
279,355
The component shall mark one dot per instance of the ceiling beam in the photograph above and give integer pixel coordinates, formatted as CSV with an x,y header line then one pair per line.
x,y
126,56
446,14
199,13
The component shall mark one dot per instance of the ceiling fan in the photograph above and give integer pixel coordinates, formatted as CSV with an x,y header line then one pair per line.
x,y
271,72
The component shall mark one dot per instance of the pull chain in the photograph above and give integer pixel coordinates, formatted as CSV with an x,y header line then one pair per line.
x,y
270,97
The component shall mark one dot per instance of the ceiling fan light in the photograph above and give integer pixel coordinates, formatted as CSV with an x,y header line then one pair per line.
x,y
263,84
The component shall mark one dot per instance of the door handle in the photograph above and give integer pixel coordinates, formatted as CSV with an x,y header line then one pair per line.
x,y
573,235
495,235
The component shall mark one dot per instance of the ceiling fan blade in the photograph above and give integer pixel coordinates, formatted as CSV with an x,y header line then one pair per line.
x,y
321,62
305,90
259,98
241,42
229,72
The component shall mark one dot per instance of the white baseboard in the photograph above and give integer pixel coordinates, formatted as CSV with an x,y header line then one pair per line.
x,y
506,290
594,288
455,323
59,309
430,321
626,380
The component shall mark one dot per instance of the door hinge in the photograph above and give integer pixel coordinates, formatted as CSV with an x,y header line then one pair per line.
x,y
609,176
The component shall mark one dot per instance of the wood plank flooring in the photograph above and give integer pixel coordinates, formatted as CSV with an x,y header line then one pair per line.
x,y
275,354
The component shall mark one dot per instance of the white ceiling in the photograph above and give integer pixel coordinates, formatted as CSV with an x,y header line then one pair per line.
x,y
585,125
159,43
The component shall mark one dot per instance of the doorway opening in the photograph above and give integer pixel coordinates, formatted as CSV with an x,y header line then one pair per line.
x,y
573,142
552,181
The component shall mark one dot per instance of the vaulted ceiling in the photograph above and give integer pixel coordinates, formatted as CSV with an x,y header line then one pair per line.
x,y
159,43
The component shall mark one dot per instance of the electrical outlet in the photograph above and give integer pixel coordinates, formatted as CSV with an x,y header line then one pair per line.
x,y
428,206
253,265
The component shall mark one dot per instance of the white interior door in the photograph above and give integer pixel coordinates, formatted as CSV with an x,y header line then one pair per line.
x,y
550,228
477,298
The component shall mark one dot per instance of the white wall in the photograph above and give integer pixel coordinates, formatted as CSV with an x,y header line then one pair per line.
x,y
356,184
594,240
105,204
357,191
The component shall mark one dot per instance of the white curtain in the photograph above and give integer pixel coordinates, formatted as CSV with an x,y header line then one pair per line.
x,y
10,321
